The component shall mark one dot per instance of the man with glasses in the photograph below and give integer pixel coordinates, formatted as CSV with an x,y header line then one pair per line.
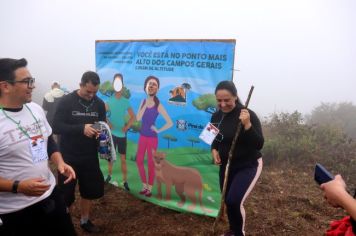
x,y
75,115
30,202
29,81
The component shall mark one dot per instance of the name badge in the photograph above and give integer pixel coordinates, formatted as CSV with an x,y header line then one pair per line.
x,y
38,149
209,133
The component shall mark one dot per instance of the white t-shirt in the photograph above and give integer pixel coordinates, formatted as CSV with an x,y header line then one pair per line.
x,y
16,159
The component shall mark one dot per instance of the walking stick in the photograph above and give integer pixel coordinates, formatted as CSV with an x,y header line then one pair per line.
x,y
233,144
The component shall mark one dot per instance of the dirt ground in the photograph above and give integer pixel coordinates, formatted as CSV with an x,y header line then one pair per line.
x,y
284,202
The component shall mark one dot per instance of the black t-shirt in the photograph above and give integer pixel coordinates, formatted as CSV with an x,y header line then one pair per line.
x,y
72,113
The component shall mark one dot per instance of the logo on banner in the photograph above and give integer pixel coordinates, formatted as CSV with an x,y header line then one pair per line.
x,y
182,125
178,96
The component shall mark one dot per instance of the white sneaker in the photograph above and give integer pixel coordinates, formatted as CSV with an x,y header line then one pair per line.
x,y
115,183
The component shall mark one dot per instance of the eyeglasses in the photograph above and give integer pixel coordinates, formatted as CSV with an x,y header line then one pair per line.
x,y
29,81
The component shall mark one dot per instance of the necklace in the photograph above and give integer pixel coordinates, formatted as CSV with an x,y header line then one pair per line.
x,y
85,106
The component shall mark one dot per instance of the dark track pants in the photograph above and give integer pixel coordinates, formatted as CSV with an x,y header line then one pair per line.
x,y
239,186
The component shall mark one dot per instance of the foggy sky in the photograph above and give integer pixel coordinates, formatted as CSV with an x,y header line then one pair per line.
x,y
297,54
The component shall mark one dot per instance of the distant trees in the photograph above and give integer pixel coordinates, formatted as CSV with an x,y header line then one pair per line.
x,y
342,115
286,136
322,136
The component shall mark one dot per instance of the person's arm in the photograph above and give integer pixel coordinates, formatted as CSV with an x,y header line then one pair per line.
x,y
56,157
216,156
252,129
107,109
89,130
29,187
131,119
6,185
102,111
141,110
349,204
166,117
51,145
337,196
215,144
32,187
62,167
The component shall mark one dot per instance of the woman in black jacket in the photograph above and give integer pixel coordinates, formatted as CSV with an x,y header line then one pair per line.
x,y
246,163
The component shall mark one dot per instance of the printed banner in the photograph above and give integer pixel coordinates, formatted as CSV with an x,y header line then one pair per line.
x,y
169,86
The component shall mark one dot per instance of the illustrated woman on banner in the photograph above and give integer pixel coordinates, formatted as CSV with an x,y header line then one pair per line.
x,y
148,112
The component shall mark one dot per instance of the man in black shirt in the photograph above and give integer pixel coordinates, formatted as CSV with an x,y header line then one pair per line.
x,y
75,115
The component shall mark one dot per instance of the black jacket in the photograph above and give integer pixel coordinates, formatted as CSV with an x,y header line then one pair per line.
x,y
249,143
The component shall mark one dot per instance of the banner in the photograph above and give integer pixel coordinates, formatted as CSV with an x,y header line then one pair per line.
x,y
163,145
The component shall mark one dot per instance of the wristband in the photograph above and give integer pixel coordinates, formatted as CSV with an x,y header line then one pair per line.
x,y
15,185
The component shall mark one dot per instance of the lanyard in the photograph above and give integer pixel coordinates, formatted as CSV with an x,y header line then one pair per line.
x,y
222,118
23,130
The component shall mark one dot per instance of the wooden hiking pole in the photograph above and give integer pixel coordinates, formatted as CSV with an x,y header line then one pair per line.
x,y
226,177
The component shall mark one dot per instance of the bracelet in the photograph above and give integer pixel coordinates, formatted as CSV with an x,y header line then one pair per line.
x,y
15,185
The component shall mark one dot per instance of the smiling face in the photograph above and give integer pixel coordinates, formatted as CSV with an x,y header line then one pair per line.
x,y
21,92
87,91
225,100
151,87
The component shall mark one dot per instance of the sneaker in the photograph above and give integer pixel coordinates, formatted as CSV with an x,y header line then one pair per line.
x,y
116,184
126,186
90,227
143,191
148,193
108,178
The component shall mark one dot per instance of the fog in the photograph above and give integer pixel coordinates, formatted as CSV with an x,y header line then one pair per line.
x,y
297,54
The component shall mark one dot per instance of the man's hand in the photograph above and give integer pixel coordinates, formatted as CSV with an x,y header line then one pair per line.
x,y
66,170
90,132
124,129
33,187
334,191
245,119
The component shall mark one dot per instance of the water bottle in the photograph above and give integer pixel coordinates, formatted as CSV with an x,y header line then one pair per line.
x,y
103,145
